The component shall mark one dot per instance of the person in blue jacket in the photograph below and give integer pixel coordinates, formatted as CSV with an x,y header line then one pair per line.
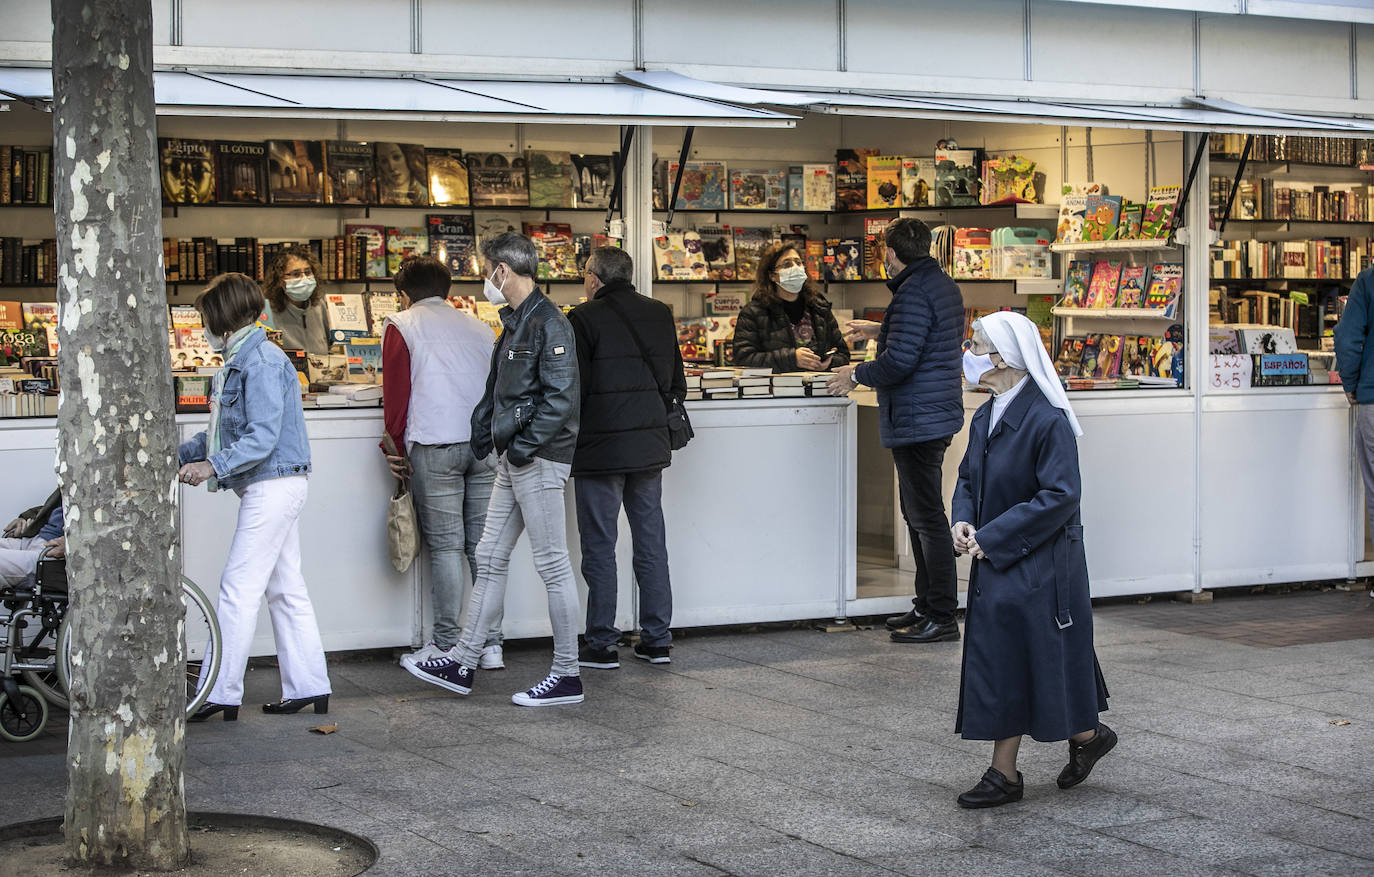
x,y
1029,664
920,408
1355,364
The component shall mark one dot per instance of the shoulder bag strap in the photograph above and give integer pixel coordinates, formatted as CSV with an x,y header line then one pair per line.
x,y
639,342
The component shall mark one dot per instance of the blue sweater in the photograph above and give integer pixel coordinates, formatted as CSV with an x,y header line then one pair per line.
x,y
1354,353
918,369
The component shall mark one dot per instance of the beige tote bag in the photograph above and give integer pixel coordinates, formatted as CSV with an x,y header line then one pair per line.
x,y
402,532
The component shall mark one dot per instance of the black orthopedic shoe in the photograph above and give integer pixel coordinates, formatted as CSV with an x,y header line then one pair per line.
x,y
207,709
927,631
296,704
993,790
897,622
1082,756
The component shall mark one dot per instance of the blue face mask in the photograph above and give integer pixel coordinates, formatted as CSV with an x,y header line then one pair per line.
x,y
299,288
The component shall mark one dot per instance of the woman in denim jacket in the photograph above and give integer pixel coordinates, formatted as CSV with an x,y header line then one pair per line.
x,y
256,446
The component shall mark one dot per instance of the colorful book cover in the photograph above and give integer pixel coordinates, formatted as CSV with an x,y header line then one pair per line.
x,y
1159,210
874,247
557,252
843,260
453,241
1091,347
704,185
918,182
241,172
972,254
376,246
957,178
1008,180
758,190
364,357
1105,281
670,256
552,178
380,305
402,174
851,178
818,187
595,178
749,246
884,182
350,176
295,171
1070,360
1109,350
795,198
1166,278
402,243
692,338
718,248
1073,210
1132,217
347,316
42,317
497,179
1131,293
1101,217
448,177
187,169
1135,351
815,259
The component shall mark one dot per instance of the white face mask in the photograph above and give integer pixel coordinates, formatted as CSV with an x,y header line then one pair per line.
x,y
215,342
792,279
976,365
493,292
299,288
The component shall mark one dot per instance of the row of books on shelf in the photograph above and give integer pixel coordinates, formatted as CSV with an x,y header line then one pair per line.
x,y
28,263
1294,310
25,175
1146,360
1264,199
1088,214
859,179
727,382
1338,151
1112,283
1002,253
295,172
1320,259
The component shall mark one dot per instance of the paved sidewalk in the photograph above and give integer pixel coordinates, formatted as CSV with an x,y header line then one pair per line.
x,y
793,752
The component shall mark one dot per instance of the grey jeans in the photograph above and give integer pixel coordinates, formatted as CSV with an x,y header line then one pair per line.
x,y
599,499
1364,452
530,500
451,491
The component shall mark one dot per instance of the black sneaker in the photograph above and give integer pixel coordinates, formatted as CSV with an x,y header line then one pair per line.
x,y
553,691
598,659
653,654
445,672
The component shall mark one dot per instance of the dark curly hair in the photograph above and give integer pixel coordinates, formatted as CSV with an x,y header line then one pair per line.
x,y
273,287
765,290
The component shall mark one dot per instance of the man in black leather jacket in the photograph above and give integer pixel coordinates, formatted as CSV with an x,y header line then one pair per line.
x,y
528,417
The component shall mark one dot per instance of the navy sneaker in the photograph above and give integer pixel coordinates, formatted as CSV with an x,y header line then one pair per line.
x,y
553,691
598,659
445,672
653,654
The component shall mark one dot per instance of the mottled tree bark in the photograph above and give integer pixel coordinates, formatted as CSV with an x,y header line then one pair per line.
x,y
126,803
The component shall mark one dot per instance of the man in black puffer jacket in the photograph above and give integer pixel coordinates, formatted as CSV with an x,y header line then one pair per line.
x,y
622,449
917,374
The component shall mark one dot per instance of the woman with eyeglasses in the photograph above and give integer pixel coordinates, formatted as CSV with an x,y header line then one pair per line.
x,y
291,284
787,325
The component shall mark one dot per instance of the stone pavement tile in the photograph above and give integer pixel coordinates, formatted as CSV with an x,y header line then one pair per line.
x,y
797,858
490,757
1269,683
1210,842
571,734
1085,851
1093,805
1335,704
968,860
406,854
1320,863
1336,832
852,830
1359,681
247,746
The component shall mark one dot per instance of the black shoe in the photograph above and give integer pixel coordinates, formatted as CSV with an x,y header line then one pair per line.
x,y
927,631
897,622
653,654
598,659
207,709
1082,757
289,705
993,790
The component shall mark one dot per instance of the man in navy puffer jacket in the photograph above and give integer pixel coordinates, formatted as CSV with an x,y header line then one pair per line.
x,y
920,407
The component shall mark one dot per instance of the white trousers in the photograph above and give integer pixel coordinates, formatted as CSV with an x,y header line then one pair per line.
x,y
18,559
265,559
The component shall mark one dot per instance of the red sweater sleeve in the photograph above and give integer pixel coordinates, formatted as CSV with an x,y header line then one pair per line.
x,y
395,385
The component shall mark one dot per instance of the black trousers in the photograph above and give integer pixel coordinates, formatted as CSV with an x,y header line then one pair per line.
x,y
919,478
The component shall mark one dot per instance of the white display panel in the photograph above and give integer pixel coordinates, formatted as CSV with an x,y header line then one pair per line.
x,y
333,25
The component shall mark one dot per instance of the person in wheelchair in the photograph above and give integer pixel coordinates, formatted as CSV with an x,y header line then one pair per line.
x,y
27,537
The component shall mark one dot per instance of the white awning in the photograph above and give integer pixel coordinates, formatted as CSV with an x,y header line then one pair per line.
x,y
413,99
1191,114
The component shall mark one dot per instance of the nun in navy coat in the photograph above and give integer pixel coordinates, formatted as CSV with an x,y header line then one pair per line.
x,y
1029,665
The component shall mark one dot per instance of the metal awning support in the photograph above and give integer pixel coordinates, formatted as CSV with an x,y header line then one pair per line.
x,y
1235,184
627,136
1182,202
677,178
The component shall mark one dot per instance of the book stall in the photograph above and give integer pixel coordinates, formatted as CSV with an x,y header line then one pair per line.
x,y
1185,278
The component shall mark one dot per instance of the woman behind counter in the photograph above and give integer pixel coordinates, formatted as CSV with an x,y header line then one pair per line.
x,y
787,325
297,302
1029,664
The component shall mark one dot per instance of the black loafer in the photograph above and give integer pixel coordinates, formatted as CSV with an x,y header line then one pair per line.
x,y
295,704
207,709
897,622
927,631
1082,757
993,790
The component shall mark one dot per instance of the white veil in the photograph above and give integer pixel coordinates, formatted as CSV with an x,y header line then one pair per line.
x,y
1017,340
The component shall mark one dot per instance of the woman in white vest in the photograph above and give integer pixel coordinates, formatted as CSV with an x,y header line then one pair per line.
x,y
435,361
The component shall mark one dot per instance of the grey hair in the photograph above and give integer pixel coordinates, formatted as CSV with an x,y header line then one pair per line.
x,y
611,265
516,250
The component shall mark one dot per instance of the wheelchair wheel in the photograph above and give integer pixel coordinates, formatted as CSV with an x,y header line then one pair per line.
x,y
49,684
203,646
23,718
